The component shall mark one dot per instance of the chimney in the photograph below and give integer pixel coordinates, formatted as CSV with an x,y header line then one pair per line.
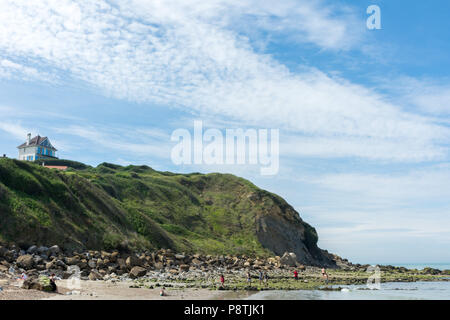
x,y
28,139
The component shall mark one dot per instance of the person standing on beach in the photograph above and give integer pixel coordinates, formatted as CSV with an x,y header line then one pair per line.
x,y
249,277
260,277
325,275
53,286
295,275
266,278
222,280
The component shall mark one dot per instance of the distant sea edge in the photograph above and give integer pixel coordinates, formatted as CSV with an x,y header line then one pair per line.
x,y
418,266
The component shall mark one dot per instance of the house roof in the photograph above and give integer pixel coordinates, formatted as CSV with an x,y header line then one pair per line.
x,y
36,141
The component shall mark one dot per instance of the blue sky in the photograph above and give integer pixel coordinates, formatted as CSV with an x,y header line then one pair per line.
x,y
363,114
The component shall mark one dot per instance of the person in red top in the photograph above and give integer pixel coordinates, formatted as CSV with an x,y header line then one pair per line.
x,y
222,280
295,275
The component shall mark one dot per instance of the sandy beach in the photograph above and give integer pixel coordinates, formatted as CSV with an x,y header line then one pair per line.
x,y
101,290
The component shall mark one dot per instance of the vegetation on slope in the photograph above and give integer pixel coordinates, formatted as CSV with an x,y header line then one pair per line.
x,y
134,207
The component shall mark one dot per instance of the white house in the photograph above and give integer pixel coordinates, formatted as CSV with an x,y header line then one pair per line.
x,y
36,148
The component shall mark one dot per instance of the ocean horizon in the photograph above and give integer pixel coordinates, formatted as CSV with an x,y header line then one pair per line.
x,y
418,266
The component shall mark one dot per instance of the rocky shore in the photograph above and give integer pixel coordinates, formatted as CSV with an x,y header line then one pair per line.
x,y
165,268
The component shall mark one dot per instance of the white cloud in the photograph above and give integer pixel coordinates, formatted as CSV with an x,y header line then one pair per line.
x,y
13,70
145,143
428,96
187,55
13,129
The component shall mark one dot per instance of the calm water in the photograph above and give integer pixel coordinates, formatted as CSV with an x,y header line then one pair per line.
x,y
388,291
420,266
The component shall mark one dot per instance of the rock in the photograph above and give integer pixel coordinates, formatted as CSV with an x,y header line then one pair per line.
x,y
83,264
158,265
41,284
133,261
43,250
180,256
32,250
184,267
38,259
289,259
50,265
54,250
25,261
3,251
112,268
72,260
40,267
196,261
92,264
137,272
114,256
94,275
173,271
100,263
61,264
121,263
169,262
432,271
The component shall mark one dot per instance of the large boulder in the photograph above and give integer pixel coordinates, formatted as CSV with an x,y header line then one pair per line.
x,y
54,250
137,272
25,261
289,259
159,265
43,250
41,284
70,261
32,250
121,263
94,275
133,261
114,256
184,267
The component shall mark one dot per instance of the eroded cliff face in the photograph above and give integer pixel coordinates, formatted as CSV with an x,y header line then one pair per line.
x,y
111,207
280,229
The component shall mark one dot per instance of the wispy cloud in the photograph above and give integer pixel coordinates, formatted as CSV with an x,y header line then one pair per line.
x,y
178,54
134,142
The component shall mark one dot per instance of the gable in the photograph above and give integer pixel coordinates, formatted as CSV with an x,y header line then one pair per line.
x,y
46,143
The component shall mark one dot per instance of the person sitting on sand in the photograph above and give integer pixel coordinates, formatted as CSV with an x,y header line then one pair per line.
x,y
295,275
222,280
161,292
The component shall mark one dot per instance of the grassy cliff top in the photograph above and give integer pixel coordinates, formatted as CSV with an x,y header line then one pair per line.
x,y
136,207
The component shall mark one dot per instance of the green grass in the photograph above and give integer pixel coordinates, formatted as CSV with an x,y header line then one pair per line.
x,y
111,206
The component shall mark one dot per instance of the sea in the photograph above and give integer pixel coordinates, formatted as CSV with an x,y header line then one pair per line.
x,y
420,266
421,290
388,291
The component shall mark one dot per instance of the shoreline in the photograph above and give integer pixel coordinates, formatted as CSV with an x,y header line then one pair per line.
x,y
118,275
102,290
